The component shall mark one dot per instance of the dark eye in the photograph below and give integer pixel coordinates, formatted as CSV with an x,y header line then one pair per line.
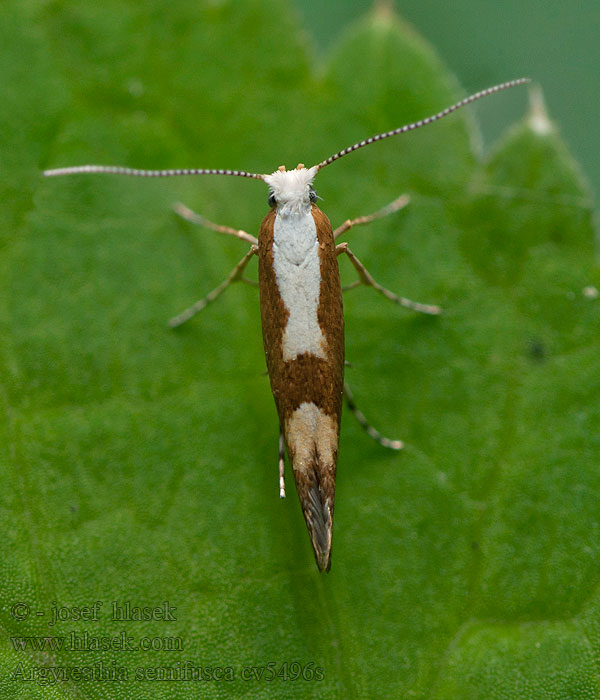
x,y
272,201
312,195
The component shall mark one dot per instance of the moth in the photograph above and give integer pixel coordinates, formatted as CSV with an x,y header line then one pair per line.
x,y
302,316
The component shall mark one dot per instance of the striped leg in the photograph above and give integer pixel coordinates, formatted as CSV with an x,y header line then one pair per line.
x,y
198,219
397,204
236,275
375,434
365,278
281,464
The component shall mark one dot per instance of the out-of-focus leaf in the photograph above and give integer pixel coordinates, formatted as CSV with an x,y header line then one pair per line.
x,y
140,464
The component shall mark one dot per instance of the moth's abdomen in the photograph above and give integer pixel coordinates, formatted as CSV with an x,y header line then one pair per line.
x,y
303,335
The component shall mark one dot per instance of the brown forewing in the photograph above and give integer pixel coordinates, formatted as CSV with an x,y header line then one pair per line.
x,y
307,378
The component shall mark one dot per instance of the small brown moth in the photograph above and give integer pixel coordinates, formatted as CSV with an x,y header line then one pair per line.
x,y
302,317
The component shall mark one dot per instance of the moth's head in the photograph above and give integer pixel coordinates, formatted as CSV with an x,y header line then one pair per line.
x,y
291,191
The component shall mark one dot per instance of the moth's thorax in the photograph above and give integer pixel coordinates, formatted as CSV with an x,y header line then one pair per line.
x,y
291,189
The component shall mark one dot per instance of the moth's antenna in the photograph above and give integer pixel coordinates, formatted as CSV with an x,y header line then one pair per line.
x,y
423,122
118,170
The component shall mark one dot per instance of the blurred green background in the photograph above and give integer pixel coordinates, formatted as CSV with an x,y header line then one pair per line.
x,y
485,42
135,461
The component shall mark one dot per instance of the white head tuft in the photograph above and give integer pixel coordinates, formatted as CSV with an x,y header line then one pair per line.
x,y
291,189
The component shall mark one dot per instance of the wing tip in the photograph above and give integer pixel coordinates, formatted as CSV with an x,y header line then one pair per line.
x,y
318,513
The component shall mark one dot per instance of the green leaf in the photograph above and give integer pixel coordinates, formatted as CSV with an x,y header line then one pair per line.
x,y
140,464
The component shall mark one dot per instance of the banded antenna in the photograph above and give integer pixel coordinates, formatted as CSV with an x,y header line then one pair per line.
x,y
118,170
422,122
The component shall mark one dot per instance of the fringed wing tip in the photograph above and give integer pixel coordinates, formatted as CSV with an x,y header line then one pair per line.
x,y
318,513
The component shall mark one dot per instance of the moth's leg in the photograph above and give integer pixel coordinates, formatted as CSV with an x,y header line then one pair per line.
x,y
365,278
375,434
198,219
397,204
281,464
234,276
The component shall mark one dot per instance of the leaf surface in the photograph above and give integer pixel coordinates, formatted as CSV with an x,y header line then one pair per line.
x,y
140,464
